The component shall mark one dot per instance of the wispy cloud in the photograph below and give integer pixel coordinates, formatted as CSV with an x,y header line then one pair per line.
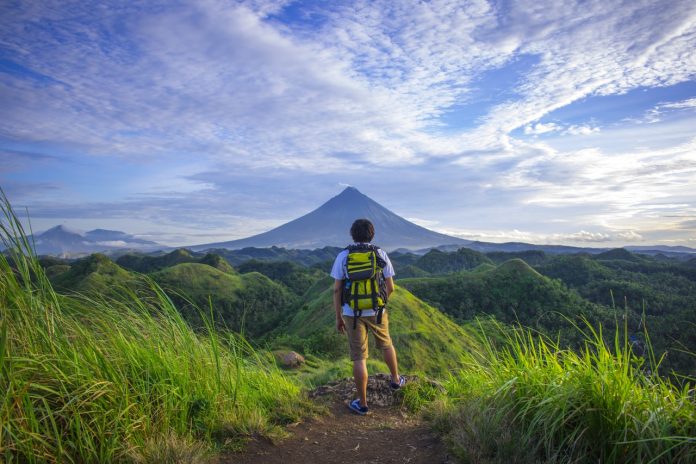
x,y
580,238
248,91
224,80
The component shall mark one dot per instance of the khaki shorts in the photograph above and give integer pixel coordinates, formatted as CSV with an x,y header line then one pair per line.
x,y
357,338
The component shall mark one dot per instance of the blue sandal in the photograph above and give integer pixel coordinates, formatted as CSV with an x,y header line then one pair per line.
x,y
396,386
356,408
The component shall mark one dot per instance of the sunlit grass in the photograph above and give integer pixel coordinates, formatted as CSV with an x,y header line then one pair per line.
x,y
96,378
529,400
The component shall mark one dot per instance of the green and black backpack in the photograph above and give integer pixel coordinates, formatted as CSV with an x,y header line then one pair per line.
x,y
365,286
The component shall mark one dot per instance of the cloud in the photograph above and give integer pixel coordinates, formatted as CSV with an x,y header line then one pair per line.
x,y
688,225
657,113
427,223
573,129
232,82
579,237
581,130
258,95
11,160
540,128
684,104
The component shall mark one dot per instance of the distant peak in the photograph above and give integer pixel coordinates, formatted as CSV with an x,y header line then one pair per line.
x,y
62,228
350,189
349,196
351,192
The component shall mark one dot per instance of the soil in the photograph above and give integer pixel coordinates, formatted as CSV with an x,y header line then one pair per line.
x,y
388,434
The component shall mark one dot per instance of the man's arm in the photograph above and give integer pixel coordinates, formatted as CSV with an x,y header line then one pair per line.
x,y
390,286
337,291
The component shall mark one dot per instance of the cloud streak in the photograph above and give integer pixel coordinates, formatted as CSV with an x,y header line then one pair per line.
x,y
327,91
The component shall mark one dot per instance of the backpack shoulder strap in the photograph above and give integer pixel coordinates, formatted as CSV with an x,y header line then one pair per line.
x,y
381,263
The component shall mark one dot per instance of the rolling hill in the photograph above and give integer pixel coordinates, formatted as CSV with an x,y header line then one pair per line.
x,y
512,292
426,340
93,274
250,303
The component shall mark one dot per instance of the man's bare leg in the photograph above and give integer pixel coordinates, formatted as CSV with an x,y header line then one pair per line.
x,y
390,360
360,376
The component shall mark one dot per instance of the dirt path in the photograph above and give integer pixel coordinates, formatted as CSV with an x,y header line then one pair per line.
x,y
386,435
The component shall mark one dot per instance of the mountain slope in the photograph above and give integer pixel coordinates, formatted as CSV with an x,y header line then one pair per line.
x,y
329,225
250,302
426,340
95,273
60,240
512,292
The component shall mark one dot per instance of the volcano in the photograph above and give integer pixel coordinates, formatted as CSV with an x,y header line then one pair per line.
x,y
329,225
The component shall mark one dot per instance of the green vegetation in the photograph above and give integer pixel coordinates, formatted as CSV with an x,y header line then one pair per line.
x,y
146,264
95,273
110,369
426,340
440,262
662,294
530,400
513,292
308,258
95,378
249,303
294,276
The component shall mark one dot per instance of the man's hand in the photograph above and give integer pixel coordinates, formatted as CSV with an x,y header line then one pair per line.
x,y
338,289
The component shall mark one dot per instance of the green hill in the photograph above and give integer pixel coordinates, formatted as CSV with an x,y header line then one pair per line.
x,y
512,292
665,291
532,257
53,271
218,262
296,277
410,270
440,262
426,339
249,302
95,273
575,270
620,254
303,257
147,263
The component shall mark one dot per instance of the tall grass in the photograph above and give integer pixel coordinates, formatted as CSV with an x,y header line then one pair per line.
x,y
94,378
528,400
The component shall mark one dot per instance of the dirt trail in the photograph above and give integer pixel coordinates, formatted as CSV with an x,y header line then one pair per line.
x,y
386,435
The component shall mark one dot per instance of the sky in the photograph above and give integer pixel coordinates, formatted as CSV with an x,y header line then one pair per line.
x,y
194,122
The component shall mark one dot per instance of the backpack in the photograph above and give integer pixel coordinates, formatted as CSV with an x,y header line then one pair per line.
x,y
365,286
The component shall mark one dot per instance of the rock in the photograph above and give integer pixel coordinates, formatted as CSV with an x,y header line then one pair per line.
x,y
379,393
289,359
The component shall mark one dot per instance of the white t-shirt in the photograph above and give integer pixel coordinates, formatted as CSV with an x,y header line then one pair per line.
x,y
339,272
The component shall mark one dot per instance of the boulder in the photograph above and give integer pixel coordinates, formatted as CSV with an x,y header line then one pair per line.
x,y
289,359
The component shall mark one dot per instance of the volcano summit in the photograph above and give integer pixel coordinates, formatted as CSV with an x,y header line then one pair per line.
x,y
329,225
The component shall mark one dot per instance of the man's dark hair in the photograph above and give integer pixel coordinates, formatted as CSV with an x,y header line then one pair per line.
x,y
362,231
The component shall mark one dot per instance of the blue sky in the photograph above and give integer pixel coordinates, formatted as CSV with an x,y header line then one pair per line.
x,y
194,122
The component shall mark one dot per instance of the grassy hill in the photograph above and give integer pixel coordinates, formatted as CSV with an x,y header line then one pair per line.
x,y
440,262
664,291
148,263
302,257
296,277
218,262
512,292
426,339
242,302
95,273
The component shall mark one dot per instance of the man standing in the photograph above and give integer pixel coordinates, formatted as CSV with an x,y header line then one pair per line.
x,y
351,317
